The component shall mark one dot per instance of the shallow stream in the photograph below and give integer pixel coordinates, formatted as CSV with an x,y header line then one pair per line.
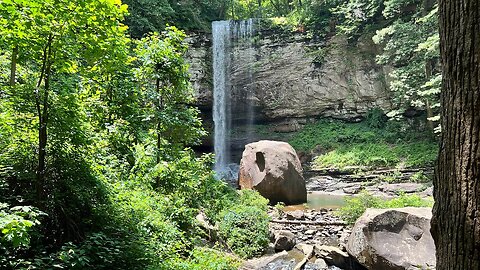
x,y
318,201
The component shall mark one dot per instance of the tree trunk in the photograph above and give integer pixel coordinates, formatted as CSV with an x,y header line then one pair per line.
x,y
42,111
456,213
13,66
159,123
427,6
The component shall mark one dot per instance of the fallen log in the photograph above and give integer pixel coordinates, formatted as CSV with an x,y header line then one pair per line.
x,y
308,222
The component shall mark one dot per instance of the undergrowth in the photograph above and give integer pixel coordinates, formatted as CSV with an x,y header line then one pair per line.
x,y
356,206
366,144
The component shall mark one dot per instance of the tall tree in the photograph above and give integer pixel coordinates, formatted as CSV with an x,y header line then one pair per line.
x,y
163,74
456,213
59,38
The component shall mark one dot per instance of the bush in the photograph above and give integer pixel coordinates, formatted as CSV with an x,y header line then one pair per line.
x,y
205,258
420,177
356,206
376,118
244,226
16,224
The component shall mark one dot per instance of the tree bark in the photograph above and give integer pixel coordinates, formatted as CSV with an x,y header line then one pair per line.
x,y
42,111
159,123
456,213
427,6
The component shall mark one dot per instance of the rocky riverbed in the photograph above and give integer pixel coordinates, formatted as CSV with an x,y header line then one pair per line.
x,y
311,236
305,239
385,183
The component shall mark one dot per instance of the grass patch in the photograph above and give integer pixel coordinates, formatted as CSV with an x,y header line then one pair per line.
x,y
384,144
357,205
379,154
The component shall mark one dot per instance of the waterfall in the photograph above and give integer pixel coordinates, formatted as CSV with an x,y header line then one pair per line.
x,y
221,42
226,35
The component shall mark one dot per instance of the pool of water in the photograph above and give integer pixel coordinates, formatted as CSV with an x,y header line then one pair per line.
x,y
319,200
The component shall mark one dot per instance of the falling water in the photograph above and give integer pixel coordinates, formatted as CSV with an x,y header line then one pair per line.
x,y
221,42
227,34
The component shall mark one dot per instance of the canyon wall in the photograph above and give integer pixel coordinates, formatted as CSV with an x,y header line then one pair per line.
x,y
295,77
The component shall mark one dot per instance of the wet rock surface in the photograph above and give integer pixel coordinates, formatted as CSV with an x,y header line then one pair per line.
x,y
290,83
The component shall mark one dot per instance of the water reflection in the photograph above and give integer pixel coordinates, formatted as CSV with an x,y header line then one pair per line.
x,y
319,200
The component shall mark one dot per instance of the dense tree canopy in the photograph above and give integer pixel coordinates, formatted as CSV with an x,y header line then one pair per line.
x,y
95,170
97,118
152,15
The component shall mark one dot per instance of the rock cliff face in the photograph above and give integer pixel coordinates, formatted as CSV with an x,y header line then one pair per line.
x,y
295,78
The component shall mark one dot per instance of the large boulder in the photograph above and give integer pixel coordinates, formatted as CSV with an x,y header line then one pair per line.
x,y
284,240
274,170
393,239
333,255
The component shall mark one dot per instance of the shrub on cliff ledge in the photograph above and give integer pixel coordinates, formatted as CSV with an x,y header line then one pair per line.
x,y
371,143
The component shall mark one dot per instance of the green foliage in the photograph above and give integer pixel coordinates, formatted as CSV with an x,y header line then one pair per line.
x,y
356,205
371,143
380,154
411,47
376,118
121,188
356,15
16,223
244,225
420,177
148,16
242,9
98,250
166,89
205,258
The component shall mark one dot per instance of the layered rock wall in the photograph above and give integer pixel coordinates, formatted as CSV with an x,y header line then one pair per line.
x,y
296,77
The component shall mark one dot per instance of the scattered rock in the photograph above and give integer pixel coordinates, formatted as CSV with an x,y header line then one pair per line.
x,y
284,240
305,248
297,214
332,255
313,266
274,170
321,263
401,187
262,262
308,252
354,189
393,239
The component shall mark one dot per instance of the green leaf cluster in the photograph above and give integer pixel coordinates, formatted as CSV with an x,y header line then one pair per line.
x,y
95,130
244,226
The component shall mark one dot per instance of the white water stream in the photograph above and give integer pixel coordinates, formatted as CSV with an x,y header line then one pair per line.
x,y
225,35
